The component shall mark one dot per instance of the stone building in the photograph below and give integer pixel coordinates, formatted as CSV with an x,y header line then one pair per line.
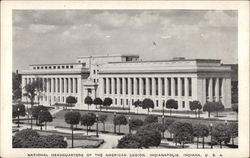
x,y
125,79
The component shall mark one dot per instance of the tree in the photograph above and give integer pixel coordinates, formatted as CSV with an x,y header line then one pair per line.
x,y
107,102
200,131
88,120
16,86
233,131
72,118
147,104
149,138
18,110
31,90
103,119
44,116
155,126
88,100
167,124
28,138
70,100
135,124
120,120
221,134
209,107
150,119
36,110
218,107
137,104
183,133
235,109
196,105
129,141
98,101
171,104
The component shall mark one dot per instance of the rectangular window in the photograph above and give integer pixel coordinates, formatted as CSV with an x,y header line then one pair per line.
x,y
71,82
115,101
126,101
115,80
120,85
104,85
76,85
150,85
220,87
207,85
182,87
121,102
54,84
132,86
157,103
110,86
58,85
190,86
138,86
62,99
169,86
126,85
156,86
176,86
58,99
214,82
183,104
163,86
144,86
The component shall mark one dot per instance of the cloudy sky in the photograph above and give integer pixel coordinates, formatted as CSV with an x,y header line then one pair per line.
x,y
59,36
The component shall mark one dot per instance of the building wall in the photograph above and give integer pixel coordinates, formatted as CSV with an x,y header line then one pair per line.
x,y
182,80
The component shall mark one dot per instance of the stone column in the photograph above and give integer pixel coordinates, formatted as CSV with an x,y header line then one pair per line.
x,y
69,84
166,87
186,92
153,88
179,92
108,86
74,85
129,87
210,89
160,87
52,85
147,86
141,87
217,97
135,88
118,91
123,88
172,87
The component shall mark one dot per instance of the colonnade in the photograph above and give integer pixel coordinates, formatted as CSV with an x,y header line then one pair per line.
x,y
55,89
126,90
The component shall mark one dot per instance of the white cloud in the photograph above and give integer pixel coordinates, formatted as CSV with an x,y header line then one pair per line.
x,y
39,28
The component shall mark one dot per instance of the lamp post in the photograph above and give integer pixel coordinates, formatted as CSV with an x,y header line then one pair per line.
x,y
129,119
163,124
211,130
97,125
114,122
18,109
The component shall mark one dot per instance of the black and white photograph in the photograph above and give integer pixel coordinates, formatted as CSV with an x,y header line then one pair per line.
x,y
160,79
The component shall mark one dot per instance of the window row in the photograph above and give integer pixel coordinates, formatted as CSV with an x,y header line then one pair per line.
x,y
54,67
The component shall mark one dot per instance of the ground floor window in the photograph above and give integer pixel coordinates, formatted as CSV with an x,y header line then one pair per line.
x,y
183,104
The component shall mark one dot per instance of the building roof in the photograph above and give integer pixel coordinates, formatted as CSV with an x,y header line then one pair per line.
x,y
110,55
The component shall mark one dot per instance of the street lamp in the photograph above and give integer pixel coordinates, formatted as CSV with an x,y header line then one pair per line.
x,y
97,125
211,130
163,124
18,110
129,118
114,122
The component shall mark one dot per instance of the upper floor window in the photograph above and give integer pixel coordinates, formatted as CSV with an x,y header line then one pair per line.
x,y
46,67
49,67
63,67
71,66
67,67
54,67
34,67
37,67
42,67
58,67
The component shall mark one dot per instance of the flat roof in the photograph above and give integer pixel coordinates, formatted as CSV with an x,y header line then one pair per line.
x,y
56,64
110,55
171,60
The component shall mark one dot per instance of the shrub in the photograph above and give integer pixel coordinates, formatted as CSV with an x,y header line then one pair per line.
x,y
221,134
150,119
149,137
129,141
134,124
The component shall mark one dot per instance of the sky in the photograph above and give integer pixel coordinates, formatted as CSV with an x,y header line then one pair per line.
x,y
60,36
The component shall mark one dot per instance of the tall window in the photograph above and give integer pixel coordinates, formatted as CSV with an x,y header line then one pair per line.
x,y
104,85
132,86
169,86
71,85
156,86
150,85
220,87
176,86
115,80
62,82
110,86
190,87
58,85
76,85
138,86
144,86
121,85
214,83
126,85
182,87
207,85
163,86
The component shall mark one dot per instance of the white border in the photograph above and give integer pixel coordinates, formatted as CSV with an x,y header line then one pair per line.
x,y
243,58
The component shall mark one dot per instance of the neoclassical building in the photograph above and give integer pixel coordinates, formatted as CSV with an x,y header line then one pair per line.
x,y
125,79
